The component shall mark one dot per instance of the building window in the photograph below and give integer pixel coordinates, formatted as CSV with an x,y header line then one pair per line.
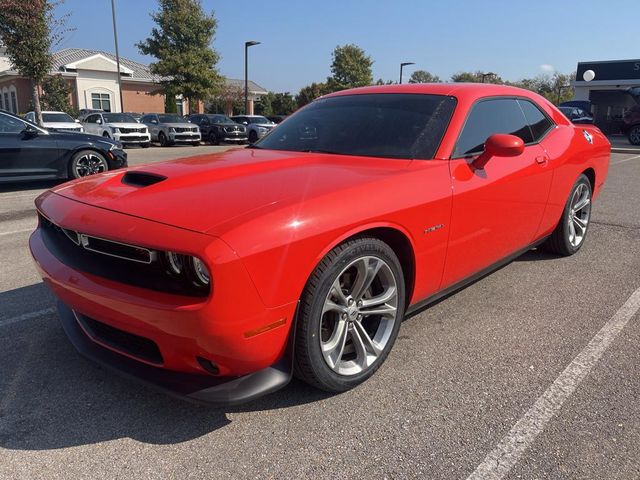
x,y
101,101
1,102
6,101
14,102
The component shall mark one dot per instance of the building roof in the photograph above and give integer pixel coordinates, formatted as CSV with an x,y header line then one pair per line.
x,y
69,56
253,86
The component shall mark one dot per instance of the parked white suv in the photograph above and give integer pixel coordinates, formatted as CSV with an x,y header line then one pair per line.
x,y
257,125
120,127
57,120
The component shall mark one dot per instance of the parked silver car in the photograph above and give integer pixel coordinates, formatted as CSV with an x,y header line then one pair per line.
x,y
169,129
257,125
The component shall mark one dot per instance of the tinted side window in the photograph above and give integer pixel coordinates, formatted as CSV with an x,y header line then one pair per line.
x,y
10,125
537,120
146,119
92,119
488,117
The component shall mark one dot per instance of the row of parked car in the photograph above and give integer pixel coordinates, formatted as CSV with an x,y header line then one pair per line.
x,y
164,128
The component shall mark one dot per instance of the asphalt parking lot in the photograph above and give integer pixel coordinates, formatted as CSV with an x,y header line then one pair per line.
x,y
531,372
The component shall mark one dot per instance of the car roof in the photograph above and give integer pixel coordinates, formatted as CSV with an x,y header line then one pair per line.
x,y
460,90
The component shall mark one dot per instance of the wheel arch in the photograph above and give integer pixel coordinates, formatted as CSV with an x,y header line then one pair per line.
x,y
82,148
398,240
590,173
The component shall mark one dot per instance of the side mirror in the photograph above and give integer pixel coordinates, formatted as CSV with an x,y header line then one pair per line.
x,y
245,123
30,131
99,122
499,145
77,121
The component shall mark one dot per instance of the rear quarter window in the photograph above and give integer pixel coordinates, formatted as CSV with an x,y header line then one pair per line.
x,y
538,121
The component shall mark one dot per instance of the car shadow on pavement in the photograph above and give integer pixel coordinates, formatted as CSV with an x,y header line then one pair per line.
x,y
30,185
51,397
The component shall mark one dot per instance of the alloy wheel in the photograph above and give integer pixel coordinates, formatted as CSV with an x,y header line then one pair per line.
x,y
634,136
89,164
579,214
359,315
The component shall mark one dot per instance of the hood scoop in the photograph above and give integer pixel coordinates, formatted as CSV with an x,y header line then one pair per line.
x,y
142,179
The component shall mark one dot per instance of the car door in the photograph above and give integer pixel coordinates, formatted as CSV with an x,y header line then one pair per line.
x,y
26,150
496,211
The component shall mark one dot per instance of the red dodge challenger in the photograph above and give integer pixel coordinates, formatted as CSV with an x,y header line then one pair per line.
x,y
217,277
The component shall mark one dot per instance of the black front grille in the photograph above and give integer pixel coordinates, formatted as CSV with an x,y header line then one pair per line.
x,y
184,129
125,342
152,276
131,130
133,138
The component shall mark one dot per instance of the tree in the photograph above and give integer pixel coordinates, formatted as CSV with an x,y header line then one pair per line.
x,y
350,68
283,104
556,88
55,95
28,30
309,93
264,104
382,82
476,77
422,76
181,43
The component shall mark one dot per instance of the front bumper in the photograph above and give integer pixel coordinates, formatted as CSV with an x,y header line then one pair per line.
x,y
117,158
132,137
219,391
184,137
224,328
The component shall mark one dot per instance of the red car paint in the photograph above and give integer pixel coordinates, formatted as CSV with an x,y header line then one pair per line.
x,y
262,220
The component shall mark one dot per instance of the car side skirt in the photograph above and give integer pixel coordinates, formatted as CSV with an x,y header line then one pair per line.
x,y
442,294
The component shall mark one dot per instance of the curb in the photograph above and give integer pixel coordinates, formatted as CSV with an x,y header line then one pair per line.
x,y
625,150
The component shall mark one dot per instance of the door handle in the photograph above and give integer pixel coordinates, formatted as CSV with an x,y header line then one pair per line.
x,y
542,159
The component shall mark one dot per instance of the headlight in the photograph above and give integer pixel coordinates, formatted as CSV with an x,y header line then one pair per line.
x,y
187,267
172,130
175,262
115,129
115,146
199,268
262,129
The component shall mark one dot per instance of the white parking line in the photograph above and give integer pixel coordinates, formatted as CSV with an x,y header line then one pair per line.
x,y
26,316
17,231
501,460
625,160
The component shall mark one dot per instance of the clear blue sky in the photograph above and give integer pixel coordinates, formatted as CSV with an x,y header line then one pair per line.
x,y
512,38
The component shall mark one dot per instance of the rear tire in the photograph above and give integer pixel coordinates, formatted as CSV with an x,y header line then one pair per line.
x,y
571,231
634,135
213,139
350,314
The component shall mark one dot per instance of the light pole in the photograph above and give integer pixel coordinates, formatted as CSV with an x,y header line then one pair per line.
x,y
488,74
402,65
115,37
246,74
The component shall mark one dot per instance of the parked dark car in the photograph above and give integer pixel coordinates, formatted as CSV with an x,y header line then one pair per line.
x,y
29,152
276,118
583,104
217,128
576,115
631,124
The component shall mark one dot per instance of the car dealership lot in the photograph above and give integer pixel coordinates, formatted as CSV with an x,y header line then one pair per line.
x,y
461,375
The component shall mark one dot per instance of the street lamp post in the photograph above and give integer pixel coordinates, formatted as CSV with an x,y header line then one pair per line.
x,y
115,37
402,65
246,74
488,74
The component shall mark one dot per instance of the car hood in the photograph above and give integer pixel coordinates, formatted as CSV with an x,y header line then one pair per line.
x,y
62,125
178,125
211,193
126,125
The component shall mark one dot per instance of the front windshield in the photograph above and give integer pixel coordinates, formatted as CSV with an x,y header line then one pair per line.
x,y
172,119
118,118
259,120
57,117
377,125
221,119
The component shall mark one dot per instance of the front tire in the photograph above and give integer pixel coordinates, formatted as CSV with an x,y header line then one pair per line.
x,y
162,138
350,315
253,137
634,135
571,231
87,162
